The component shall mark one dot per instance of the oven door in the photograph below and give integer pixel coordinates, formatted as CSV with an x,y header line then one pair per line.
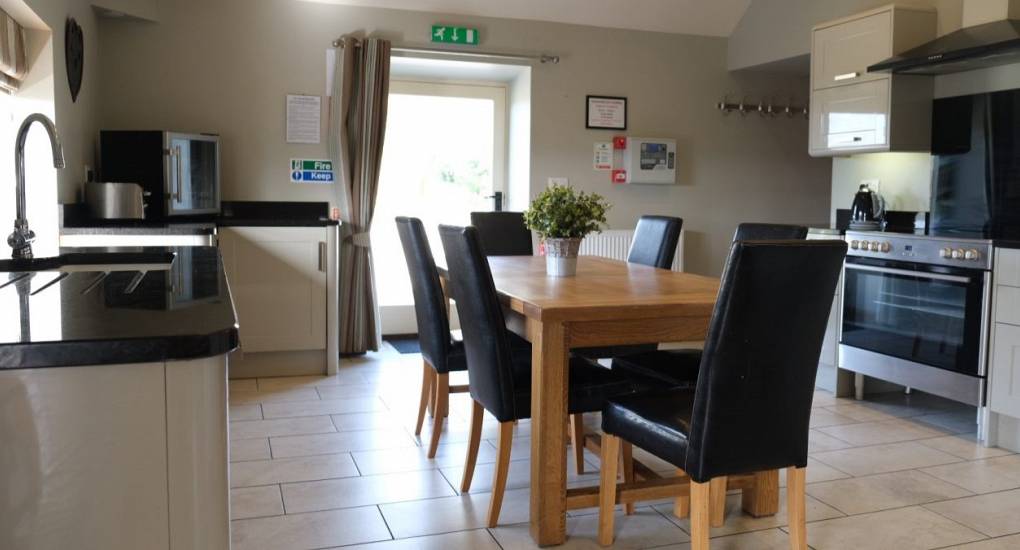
x,y
931,315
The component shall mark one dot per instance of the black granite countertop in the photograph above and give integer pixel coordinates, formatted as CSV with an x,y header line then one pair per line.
x,y
274,214
184,312
76,221
1007,243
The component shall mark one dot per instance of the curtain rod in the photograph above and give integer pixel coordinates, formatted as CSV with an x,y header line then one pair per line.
x,y
554,59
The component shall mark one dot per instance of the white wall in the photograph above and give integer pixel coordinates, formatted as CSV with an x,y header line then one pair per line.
x,y
225,67
904,180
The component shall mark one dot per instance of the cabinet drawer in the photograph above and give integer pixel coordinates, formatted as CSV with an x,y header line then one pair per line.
x,y
842,53
1007,267
1004,375
853,118
1007,305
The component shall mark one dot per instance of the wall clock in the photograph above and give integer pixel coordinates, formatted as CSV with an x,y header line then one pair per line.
x,y
74,55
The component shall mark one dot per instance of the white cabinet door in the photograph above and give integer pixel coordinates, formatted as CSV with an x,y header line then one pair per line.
x,y
850,119
1004,375
277,278
842,53
1007,267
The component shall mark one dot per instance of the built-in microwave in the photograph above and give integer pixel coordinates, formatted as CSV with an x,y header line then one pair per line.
x,y
181,172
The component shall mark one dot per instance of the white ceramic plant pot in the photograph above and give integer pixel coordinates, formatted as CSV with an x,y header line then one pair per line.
x,y
561,257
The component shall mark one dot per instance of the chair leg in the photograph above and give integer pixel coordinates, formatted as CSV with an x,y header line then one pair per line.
x,y
795,508
477,414
627,460
607,487
428,373
718,501
432,396
506,434
442,383
682,505
577,441
700,515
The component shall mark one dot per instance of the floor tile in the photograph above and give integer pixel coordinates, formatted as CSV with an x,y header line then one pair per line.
x,y
911,528
371,421
255,502
958,423
249,449
308,531
443,515
861,413
289,470
819,442
821,417
354,390
1011,542
410,459
342,442
823,398
477,539
302,425
964,446
769,539
738,522
994,514
291,382
243,384
876,433
282,396
519,476
862,461
318,407
645,529
350,492
816,472
884,491
982,476
245,412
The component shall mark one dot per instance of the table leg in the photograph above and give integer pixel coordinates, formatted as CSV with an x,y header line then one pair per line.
x,y
548,431
763,498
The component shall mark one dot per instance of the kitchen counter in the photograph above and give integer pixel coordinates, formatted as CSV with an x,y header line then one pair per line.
x,y
274,214
181,313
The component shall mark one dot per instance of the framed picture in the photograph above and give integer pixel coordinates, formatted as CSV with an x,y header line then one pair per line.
x,y
606,113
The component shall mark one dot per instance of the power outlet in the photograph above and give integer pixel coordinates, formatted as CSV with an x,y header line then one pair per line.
x,y
561,181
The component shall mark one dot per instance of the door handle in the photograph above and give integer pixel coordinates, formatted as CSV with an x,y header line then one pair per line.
x,y
322,256
497,201
846,76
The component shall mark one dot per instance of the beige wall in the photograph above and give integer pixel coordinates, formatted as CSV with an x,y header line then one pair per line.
x,y
776,30
226,66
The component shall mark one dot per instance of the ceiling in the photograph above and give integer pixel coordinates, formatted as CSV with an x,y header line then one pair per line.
x,y
702,17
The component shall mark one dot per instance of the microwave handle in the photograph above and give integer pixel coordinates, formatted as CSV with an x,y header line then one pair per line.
x,y
175,157
180,173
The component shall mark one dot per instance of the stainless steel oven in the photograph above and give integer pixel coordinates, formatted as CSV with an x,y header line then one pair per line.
x,y
916,312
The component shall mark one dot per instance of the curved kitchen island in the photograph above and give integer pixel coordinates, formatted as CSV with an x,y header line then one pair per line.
x,y
113,401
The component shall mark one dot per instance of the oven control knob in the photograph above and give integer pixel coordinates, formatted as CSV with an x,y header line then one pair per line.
x,y
958,254
972,254
864,245
873,246
946,253
886,247
855,244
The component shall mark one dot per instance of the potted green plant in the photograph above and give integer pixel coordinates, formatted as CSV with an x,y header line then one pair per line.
x,y
562,217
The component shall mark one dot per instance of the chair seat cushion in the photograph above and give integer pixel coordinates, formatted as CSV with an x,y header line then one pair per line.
x,y
658,421
676,368
591,385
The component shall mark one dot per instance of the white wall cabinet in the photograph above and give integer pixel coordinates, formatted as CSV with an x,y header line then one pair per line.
x,y
280,281
854,111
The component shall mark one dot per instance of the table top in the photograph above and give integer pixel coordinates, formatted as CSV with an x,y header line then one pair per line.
x,y
603,289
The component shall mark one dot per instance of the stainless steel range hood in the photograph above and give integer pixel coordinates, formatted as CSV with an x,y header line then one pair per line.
x,y
980,46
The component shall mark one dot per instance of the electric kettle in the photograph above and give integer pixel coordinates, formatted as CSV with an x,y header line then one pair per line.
x,y
867,211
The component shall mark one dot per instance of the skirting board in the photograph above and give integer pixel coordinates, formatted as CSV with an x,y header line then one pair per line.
x,y
277,363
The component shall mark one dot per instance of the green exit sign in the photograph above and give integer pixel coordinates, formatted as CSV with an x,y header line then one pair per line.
x,y
454,35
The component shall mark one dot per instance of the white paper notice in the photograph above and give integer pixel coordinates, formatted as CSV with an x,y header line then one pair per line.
x,y
304,118
603,156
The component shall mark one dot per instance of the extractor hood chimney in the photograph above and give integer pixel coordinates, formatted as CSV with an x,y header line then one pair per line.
x,y
990,36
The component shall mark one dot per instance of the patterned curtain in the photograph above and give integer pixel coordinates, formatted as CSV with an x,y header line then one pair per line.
x,y
356,127
13,65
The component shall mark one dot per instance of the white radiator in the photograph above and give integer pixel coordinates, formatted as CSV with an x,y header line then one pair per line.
x,y
615,243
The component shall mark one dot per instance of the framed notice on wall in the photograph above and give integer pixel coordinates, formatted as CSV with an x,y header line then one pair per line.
x,y
606,113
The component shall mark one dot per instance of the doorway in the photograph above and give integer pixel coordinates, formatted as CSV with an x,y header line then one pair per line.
x,y
445,156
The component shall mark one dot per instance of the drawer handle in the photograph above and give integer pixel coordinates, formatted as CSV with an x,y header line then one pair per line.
x,y
846,76
858,138
322,256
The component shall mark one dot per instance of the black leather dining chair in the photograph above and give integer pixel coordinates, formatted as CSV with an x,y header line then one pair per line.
x,y
501,375
769,232
680,367
503,233
751,406
654,242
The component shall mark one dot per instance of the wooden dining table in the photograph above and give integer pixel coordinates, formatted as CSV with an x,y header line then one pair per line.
x,y
607,303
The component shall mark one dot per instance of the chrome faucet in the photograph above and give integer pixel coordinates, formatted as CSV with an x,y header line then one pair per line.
x,y
22,237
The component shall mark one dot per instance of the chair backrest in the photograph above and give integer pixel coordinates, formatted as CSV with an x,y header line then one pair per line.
x,y
503,233
655,241
757,376
481,318
429,302
769,232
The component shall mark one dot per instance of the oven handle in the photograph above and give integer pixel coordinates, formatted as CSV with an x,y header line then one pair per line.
x,y
918,274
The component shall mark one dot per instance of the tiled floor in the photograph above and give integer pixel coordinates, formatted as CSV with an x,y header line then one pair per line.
x,y
327,462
